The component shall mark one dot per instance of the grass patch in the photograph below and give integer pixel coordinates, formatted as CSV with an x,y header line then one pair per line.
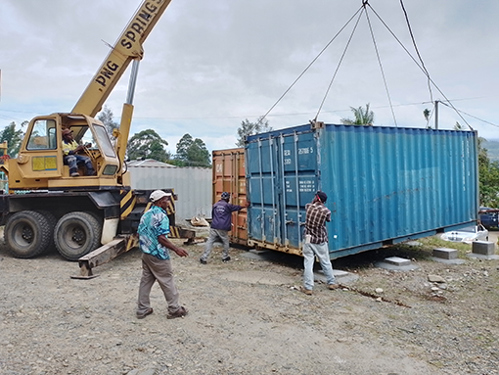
x,y
422,252
435,242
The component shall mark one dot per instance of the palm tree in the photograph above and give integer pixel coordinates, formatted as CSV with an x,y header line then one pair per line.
x,y
362,116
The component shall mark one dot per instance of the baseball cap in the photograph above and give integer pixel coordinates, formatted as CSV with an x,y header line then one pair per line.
x,y
225,195
156,195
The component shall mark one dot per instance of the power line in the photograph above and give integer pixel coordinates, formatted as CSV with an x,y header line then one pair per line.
x,y
467,114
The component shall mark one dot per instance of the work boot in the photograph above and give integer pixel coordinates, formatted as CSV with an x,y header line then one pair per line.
x,y
149,311
333,286
308,292
180,313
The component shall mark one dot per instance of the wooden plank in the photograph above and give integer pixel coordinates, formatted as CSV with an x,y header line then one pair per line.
x,y
100,256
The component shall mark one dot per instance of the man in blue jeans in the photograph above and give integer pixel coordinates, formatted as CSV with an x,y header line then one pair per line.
x,y
71,149
316,243
221,224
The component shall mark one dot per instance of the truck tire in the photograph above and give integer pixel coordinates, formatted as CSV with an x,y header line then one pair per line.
x,y
27,234
52,221
76,234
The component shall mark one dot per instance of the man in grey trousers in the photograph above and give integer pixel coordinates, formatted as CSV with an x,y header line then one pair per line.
x,y
221,224
153,230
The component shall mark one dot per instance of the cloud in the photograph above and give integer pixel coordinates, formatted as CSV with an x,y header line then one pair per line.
x,y
210,65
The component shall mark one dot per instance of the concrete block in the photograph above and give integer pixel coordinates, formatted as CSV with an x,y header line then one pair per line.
x,y
483,248
445,253
398,261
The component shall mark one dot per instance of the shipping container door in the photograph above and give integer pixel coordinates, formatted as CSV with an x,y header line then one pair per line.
x,y
281,178
298,171
261,164
229,176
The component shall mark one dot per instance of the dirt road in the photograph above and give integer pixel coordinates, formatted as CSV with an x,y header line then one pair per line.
x,y
247,317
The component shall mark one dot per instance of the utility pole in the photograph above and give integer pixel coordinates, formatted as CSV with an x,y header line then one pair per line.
x,y
436,114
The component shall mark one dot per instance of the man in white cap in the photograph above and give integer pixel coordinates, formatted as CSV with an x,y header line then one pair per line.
x,y
153,230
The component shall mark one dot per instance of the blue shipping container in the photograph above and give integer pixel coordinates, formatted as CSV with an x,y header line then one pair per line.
x,y
384,184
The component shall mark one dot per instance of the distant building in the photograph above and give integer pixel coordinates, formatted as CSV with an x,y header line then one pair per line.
x,y
149,163
193,185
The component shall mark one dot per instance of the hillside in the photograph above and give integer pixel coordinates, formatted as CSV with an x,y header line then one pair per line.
x,y
492,147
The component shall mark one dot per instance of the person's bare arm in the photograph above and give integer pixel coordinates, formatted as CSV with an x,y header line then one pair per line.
x,y
163,240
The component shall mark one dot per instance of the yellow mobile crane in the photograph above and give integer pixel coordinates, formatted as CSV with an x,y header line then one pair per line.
x,y
45,206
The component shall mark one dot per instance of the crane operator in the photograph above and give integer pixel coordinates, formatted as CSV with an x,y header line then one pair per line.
x,y
71,149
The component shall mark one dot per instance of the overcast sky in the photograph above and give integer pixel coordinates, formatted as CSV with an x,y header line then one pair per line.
x,y
209,65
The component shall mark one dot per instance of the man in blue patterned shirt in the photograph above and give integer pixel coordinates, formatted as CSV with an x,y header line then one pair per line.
x,y
153,232
316,243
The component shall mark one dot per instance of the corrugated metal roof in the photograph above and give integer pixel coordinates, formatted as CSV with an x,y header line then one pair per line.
x,y
149,163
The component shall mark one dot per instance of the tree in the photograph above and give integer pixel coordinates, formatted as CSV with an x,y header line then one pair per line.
x,y
250,128
106,117
489,182
183,147
426,114
147,144
192,152
488,173
363,117
13,138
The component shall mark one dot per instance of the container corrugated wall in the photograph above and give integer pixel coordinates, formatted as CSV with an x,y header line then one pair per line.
x,y
229,176
384,184
192,186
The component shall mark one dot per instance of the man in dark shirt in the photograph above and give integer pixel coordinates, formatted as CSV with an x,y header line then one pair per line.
x,y
221,223
316,243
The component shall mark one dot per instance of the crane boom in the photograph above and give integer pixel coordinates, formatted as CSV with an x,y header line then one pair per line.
x,y
128,47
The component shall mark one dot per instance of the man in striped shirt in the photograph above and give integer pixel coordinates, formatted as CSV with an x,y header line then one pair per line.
x,y
316,243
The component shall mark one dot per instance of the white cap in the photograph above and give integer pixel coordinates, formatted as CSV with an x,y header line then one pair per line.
x,y
156,195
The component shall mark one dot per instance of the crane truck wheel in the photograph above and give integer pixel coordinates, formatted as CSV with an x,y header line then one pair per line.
x,y
27,234
52,221
76,234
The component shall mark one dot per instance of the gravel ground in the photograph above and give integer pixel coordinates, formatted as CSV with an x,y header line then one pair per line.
x,y
247,317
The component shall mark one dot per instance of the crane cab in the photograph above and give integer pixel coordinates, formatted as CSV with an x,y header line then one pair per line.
x,y
40,163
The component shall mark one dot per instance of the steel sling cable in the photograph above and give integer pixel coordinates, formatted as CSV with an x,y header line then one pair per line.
x,y
416,48
420,67
311,63
381,68
339,63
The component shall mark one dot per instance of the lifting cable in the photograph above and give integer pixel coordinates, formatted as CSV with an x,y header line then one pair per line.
x,y
380,65
420,67
339,63
311,63
416,48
